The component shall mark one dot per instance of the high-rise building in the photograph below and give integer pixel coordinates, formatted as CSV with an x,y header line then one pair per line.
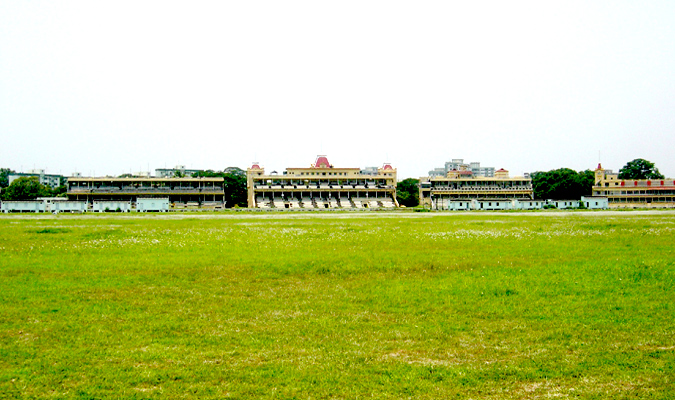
x,y
458,164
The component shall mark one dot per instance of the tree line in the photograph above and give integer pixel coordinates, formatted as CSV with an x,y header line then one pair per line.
x,y
557,184
567,184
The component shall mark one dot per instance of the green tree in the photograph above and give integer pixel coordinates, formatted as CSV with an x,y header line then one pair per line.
x,y
234,185
640,169
235,171
586,180
26,188
4,177
235,190
562,184
207,173
408,192
59,191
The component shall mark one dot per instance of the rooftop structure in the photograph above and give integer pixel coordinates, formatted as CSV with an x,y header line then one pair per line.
x,y
321,185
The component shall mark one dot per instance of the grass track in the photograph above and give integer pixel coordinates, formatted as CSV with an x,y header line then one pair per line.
x,y
479,305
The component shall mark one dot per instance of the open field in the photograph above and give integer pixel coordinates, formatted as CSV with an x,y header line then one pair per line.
x,y
416,305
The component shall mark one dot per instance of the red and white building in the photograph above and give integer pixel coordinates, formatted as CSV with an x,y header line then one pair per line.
x,y
633,193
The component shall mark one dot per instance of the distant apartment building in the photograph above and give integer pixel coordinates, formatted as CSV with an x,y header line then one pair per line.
x,y
51,180
457,164
177,171
369,171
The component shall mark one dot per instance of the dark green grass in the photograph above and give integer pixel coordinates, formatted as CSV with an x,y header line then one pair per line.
x,y
420,306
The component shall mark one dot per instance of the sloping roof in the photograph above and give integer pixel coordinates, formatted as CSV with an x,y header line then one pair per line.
x,y
322,162
388,167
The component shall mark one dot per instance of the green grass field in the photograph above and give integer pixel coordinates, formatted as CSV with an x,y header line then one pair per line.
x,y
311,306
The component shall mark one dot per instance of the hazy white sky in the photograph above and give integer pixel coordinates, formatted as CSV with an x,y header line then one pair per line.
x,y
113,87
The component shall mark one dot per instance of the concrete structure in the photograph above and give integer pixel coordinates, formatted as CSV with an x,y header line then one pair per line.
x,y
152,204
633,193
177,171
493,205
44,204
206,193
321,186
563,204
62,204
461,190
50,180
458,164
68,206
21,206
111,206
595,203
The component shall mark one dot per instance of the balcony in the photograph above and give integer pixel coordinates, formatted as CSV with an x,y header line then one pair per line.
x,y
143,190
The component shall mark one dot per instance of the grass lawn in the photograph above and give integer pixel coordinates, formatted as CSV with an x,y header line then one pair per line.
x,y
311,306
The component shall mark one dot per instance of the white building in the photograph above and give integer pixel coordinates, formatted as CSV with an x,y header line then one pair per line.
x,y
111,206
62,204
152,204
36,206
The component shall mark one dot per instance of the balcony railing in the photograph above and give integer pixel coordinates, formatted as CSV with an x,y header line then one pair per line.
x,y
143,189
319,187
481,189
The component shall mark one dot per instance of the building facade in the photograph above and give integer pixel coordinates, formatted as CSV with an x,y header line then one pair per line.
x,y
321,186
462,190
633,193
183,193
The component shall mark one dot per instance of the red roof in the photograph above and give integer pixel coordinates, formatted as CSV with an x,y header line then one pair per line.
x,y
388,167
322,162
502,170
255,166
